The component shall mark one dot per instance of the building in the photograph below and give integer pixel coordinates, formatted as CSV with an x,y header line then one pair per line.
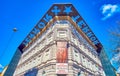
x,y
61,44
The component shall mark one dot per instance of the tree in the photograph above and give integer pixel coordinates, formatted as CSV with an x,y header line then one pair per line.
x,y
115,33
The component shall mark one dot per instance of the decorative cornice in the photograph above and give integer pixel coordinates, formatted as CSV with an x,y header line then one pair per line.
x,y
56,12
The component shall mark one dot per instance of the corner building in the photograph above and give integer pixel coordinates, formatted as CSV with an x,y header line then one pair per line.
x,y
47,53
61,44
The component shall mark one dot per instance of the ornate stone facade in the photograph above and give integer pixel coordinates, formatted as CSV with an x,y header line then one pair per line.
x,y
41,54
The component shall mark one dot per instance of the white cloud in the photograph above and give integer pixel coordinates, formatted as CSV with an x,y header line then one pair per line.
x,y
109,10
116,58
1,67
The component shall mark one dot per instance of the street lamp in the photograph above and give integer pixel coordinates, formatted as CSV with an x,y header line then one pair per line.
x,y
14,29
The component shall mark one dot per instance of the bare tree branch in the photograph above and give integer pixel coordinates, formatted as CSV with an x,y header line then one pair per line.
x,y
115,40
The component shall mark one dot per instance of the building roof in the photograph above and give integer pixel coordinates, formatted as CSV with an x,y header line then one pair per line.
x,y
61,10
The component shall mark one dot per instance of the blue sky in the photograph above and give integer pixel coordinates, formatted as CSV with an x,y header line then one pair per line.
x,y
100,15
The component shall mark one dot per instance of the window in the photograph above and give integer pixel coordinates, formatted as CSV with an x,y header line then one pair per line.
x,y
39,55
47,50
83,57
49,36
62,33
76,51
76,55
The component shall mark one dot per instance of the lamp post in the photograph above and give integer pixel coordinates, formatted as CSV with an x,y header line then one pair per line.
x,y
8,43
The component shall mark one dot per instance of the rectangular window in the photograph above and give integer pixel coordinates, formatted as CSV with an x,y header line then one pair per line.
x,y
62,33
